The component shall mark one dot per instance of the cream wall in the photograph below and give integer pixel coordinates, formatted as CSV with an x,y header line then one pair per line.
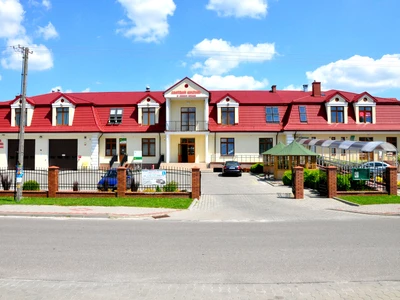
x,y
175,108
133,143
246,144
199,147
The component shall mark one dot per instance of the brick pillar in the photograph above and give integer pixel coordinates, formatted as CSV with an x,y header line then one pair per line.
x,y
52,182
391,180
196,183
298,184
331,181
121,182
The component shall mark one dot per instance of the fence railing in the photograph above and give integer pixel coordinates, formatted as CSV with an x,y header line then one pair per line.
x,y
88,179
186,126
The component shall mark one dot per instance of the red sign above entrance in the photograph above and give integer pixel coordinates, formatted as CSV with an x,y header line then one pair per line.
x,y
185,93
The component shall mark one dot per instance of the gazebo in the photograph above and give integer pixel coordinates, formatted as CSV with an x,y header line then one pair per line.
x,y
268,158
291,156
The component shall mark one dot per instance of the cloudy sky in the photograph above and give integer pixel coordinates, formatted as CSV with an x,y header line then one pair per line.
x,y
126,45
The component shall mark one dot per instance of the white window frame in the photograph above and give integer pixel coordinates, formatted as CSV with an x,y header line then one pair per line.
x,y
365,101
148,102
62,103
227,102
337,101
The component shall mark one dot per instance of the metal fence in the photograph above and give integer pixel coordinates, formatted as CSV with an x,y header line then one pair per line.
x,y
238,158
85,179
38,175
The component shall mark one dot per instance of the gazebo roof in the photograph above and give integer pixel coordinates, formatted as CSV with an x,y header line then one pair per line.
x,y
295,149
350,145
276,149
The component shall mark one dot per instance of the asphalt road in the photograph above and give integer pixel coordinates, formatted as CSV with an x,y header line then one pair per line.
x,y
153,254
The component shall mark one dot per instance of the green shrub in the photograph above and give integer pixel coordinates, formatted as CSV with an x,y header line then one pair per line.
x,y
311,178
257,168
343,182
171,186
31,185
358,185
287,178
158,189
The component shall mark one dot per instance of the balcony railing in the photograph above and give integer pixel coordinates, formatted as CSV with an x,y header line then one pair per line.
x,y
186,126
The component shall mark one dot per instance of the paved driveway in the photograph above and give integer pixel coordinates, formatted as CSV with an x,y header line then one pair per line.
x,y
248,198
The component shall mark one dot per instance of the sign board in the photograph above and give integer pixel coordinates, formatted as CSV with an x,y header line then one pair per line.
x,y
360,174
137,156
19,174
154,177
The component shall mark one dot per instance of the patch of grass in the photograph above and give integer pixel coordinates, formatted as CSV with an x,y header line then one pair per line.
x,y
373,199
178,203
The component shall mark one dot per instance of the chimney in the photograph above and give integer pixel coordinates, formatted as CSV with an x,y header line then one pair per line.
x,y
147,88
305,87
273,89
316,89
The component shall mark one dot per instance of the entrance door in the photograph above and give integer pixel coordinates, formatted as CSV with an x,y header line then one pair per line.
x,y
186,151
63,153
122,148
29,154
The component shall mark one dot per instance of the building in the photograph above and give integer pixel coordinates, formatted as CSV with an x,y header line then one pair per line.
x,y
186,124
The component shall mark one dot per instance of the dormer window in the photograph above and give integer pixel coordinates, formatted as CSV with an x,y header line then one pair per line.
x,y
228,111
365,114
337,114
148,116
62,116
365,110
337,110
272,114
115,116
18,117
148,113
63,112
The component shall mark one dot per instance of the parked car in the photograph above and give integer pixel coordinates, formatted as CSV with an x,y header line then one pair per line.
x,y
231,167
109,180
377,168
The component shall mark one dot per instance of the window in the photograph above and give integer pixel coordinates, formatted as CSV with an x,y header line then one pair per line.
x,y
18,117
111,147
115,116
303,114
337,114
272,114
227,146
62,115
392,140
149,147
366,139
188,119
333,150
227,115
264,144
365,114
148,116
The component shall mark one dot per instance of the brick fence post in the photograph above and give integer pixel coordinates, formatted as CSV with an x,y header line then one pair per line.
x,y
196,183
121,182
298,183
52,177
331,181
391,180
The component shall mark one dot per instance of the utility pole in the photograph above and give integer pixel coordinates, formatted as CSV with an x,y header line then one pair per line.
x,y
19,172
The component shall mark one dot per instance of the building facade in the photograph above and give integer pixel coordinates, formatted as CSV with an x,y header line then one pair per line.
x,y
186,124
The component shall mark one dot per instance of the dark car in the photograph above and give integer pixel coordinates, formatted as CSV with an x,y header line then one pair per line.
x,y
231,168
109,180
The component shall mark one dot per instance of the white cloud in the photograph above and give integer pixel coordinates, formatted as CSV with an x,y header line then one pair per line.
x,y
292,87
46,4
229,82
148,19
239,8
87,90
11,29
57,88
360,73
40,59
48,32
223,57
11,16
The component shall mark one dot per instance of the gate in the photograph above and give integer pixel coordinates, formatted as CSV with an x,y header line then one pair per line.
x,y
322,185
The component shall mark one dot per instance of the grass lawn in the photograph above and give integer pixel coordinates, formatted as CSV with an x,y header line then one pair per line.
x,y
178,203
376,199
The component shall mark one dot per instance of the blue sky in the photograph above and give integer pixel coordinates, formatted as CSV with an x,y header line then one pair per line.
x,y
126,45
